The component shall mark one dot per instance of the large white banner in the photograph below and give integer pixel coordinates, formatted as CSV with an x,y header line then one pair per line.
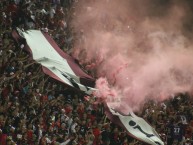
x,y
55,62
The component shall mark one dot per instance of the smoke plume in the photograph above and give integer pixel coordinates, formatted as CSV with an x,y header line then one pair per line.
x,y
139,50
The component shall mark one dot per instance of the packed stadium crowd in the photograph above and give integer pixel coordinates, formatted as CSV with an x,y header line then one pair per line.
x,y
38,110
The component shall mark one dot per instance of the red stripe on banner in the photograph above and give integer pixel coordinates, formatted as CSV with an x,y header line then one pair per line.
x,y
51,74
20,40
15,35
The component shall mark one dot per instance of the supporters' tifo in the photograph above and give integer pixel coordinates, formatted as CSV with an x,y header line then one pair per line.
x,y
68,74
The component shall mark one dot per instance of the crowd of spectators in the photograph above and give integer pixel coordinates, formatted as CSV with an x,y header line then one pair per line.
x,y
37,110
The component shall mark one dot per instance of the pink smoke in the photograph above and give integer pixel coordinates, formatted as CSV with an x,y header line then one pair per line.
x,y
139,50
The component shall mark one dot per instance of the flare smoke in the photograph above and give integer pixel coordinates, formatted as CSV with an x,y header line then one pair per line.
x,y
143,48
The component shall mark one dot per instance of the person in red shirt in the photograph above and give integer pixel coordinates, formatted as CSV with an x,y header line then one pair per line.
x,y
3,138
12,9
68,108
98,141
97,132
5,91
91,116
96,129
30,134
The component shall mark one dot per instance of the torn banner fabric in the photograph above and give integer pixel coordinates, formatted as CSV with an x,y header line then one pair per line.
x,y
54,61
136,127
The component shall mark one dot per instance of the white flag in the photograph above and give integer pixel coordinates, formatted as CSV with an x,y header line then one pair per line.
x,y
137,127
54,61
